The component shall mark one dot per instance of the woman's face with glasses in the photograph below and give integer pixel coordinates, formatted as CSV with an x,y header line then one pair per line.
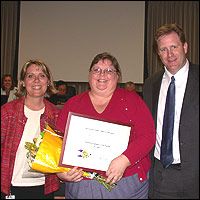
x,y
103,78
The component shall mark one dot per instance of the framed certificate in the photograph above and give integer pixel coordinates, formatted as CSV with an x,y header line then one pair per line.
x,y
92,143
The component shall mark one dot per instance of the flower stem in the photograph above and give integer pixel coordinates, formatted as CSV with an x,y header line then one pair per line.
x,y
102,180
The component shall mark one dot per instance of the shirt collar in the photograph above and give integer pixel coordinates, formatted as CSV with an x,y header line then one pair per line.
x,y
179,74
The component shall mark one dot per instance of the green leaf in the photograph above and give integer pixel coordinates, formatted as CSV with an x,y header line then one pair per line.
x,y
102,180
42,134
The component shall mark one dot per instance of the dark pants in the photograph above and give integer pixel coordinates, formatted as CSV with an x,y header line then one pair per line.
x,y
166,183
35,192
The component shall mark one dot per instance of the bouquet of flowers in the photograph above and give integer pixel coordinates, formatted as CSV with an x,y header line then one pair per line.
x,y
44,153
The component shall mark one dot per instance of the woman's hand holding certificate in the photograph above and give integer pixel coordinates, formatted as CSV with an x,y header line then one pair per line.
x,y
116,169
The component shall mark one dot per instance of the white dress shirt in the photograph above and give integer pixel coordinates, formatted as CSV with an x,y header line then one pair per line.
x,y
180,85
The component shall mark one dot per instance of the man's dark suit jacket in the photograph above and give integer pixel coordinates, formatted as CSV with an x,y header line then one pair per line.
x,y
188,127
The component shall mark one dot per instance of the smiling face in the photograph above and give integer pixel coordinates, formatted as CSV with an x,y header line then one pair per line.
x,y
7,82
172,52
35,82
103,83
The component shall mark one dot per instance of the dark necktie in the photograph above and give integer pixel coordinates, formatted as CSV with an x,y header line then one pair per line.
x,y
166,156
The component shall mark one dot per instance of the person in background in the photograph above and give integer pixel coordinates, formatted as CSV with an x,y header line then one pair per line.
x,y
180,180
130,86
22,120
64,93
61,87
8,88
105,100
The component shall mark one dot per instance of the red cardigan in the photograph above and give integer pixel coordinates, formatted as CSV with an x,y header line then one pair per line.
x,y
13,122
124,106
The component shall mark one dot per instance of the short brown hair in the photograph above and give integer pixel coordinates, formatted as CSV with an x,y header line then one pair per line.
x,y
165,30
104,56
21,91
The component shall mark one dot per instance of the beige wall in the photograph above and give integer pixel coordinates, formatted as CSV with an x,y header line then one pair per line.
x,y
66,35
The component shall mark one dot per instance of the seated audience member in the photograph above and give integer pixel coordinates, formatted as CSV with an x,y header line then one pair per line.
x,y
63,94
130,86
8,89
61,87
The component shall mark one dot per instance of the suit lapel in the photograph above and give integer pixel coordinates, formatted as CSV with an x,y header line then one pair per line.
x,y
191,89
155,96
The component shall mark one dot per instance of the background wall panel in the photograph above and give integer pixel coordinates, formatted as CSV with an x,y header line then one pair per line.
x,y
66,35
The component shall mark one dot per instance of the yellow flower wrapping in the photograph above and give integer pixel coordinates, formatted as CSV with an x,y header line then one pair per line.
x,y
48,154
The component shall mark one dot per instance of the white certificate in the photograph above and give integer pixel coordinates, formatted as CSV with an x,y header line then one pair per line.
x,y
92,143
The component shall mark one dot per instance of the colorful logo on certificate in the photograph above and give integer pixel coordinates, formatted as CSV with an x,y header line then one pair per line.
x,y
84,153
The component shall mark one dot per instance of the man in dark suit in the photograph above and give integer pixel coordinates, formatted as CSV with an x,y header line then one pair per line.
x,y
181,178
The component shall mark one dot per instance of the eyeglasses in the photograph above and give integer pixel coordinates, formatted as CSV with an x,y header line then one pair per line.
x,y
107,71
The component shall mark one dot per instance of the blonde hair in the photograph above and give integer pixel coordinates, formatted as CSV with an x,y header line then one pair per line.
x,y
21,91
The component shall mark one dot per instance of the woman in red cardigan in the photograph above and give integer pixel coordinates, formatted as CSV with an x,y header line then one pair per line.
x,y
104,100
21,121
